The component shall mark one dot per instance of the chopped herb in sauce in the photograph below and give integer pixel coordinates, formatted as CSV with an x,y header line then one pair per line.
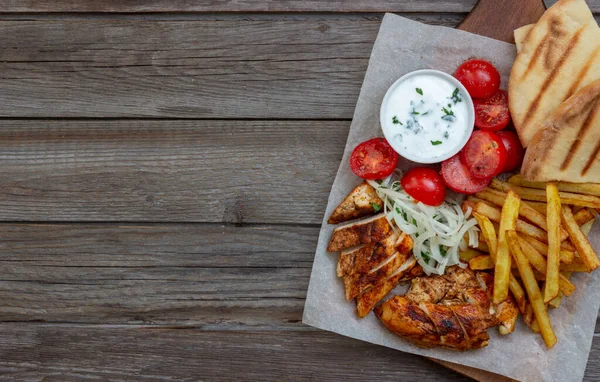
x,y
395,121
446,135
420,91
376,207
449,115
435,143
414,112
456,98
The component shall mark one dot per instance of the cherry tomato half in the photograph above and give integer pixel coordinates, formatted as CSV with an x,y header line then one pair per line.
x,y
373,159
480,78
514,150
425,185
492,113
484,155
458,178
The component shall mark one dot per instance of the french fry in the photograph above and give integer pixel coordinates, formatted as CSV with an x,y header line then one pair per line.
x,y
489,237
565,255
482,245
555,302
538,206
534,194
488,232
577,208
533,291
528,316
468,254
508,222
481,263
522,226
539,263
584,249
553,259
525,210
578,188
582,216
574,267
535,327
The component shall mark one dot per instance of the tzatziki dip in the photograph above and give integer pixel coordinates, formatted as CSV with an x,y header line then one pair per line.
x,y
427,116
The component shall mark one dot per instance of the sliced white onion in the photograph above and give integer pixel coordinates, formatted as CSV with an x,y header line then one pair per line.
x,y
437,232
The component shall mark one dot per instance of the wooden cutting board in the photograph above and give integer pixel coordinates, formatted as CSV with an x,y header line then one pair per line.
x,y
496,19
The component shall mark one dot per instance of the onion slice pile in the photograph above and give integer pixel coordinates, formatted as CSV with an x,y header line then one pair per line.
x,y
438,233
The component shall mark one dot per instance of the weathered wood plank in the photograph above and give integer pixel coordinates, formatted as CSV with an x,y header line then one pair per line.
x,y
239,6
62,352
207,275
109,6
184,69
183,171
205,69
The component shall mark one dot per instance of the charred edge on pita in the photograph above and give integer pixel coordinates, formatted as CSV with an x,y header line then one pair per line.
x,y
585,127
594,155
550,78
582,73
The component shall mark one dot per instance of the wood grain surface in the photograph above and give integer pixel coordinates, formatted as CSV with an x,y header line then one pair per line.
x,y
107,6
165,168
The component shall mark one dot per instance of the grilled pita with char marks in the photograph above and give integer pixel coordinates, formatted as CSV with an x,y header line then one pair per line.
x,y
568,146
359,203
559,55
365,231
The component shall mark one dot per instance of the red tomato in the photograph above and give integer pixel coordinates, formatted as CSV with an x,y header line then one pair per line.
x,y
480,78
513,149
484,155
373,159
425,185
458,178
492,113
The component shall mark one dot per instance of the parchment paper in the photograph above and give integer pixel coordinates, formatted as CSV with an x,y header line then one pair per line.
x,y
402,46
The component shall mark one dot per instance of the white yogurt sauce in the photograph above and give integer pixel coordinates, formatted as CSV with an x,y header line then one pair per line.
x,y
427,117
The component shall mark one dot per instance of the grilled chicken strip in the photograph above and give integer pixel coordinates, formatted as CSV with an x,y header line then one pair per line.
x,y
450,311
359,203
371,230
373,264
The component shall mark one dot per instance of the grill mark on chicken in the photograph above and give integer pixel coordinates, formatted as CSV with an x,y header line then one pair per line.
x,y
586,126
453,305
533,107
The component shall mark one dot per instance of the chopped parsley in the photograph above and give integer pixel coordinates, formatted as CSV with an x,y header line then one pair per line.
x,y
449,115
456,98
420,91
425,256
395,121
443,251
414,222
435,143
376,207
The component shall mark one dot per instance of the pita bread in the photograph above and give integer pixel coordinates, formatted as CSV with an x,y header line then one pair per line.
x,y
568,146
559,55
521,35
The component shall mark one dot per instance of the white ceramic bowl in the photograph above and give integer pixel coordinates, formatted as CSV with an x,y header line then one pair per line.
x,y
388,128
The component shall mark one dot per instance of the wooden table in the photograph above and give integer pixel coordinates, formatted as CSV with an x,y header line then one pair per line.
x,y
165,168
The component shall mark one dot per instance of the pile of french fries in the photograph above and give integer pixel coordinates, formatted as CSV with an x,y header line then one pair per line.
x,y
534,236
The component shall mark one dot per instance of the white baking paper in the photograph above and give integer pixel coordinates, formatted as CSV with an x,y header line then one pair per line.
x,y
402,46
